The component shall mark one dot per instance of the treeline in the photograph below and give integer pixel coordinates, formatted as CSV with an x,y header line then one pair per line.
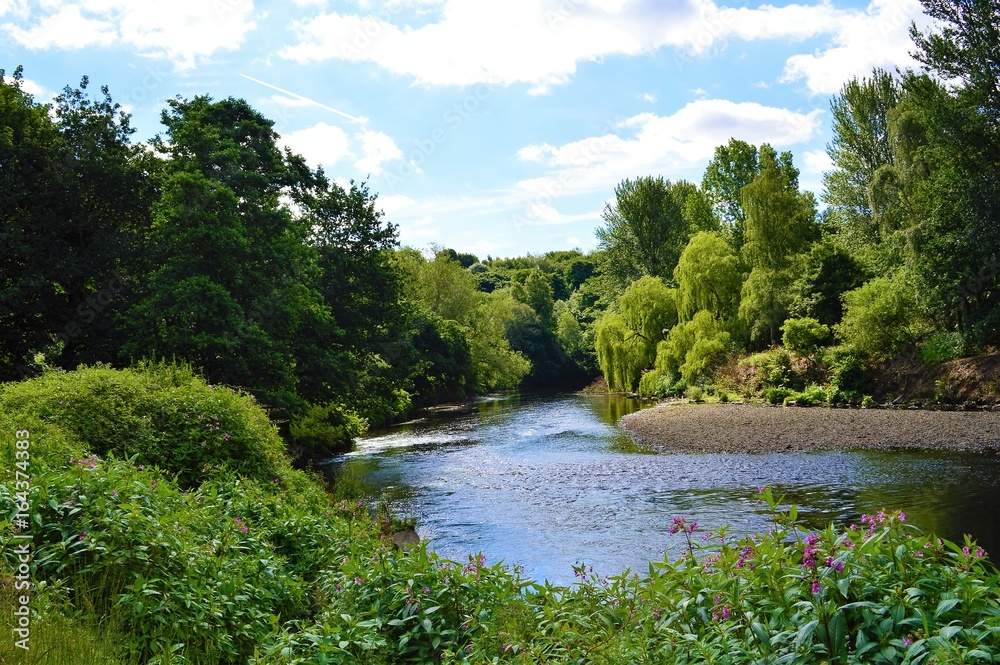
x,y
213,246
904,260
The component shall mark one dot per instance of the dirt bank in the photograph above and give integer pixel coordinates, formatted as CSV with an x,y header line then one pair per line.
x,y
738,428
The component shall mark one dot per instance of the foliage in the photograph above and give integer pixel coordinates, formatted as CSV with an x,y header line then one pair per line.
x,y
882,317
626,342
765,299
708,278
326,428
159,415
692,347
645,228
804,335
733,167
942,347
828,272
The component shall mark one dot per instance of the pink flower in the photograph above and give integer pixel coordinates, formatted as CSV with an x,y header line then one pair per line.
x,y
815,586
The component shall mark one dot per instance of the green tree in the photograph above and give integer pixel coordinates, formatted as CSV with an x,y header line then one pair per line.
x,y
692,347
645,228
733,167
74,211
862,189
829,271
708,277
626,341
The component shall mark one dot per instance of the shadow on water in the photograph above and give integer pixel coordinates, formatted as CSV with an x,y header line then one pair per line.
x,y
546,481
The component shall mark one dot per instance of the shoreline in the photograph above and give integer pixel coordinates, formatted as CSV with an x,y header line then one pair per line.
x,y
743,428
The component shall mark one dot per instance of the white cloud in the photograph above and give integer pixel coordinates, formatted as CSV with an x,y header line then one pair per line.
x,y
393,203
876,38
541,42
648,97
32,88
182,30
376,148
648,142
321,145
816,162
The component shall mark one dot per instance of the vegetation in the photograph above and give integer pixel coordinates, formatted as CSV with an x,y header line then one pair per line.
x,y
145,563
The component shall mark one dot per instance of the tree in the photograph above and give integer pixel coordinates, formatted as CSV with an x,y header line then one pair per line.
x,y
829,271
645,228
966,49
708,278
733,167
862,189
764,302
626,341
74,210
780,220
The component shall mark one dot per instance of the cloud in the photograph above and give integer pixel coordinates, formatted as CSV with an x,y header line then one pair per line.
x,y
541,42
648,97
327,145
32,88
878,37
376,148
183,31
321,145
676,146
816,162
391,204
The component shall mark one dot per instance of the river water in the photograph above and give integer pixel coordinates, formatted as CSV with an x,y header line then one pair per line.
x,y
549,481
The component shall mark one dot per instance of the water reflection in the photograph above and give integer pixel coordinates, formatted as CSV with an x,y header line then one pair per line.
x,y
544,482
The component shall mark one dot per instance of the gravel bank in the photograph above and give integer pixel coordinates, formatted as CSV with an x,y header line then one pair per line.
x,y
740,428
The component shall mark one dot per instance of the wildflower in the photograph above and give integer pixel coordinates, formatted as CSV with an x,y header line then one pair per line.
x,y
427,589
815,586
114,492
358,581
907,642
83,536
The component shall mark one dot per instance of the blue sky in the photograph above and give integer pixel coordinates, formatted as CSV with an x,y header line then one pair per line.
x,y
498,128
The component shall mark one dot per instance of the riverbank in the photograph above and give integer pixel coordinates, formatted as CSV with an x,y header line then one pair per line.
x,y
741,428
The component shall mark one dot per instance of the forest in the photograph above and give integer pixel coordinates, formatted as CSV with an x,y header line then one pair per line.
x,y
211,245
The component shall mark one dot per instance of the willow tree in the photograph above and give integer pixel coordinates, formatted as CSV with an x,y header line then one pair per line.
x,y
626,340
780,223
708,278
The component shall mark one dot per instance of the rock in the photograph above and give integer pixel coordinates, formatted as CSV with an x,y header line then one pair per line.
x,y
405,539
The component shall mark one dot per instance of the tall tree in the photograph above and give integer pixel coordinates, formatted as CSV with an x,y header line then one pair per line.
x,y
645,228
708,278
733,167
862,188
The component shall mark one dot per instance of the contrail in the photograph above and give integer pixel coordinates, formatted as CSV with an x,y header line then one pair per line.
x,y
360,121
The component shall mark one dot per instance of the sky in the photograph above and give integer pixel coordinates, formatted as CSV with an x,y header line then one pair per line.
x,y
497,128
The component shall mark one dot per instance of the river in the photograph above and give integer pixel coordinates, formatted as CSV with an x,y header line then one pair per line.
x,y
549,481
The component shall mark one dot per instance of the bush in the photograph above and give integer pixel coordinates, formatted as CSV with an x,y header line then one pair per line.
x,y
943,347
804,335
155,414
327,428
694,393
811,396
846,369
773,368
883,317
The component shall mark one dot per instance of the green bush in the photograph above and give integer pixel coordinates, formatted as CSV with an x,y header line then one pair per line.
x,y
846,368
326,428
773,368
804,335
943,347
883,317
694,393
156,414
811,396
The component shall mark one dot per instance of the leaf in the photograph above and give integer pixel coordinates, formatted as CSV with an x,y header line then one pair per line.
x,y
805,632
432,610
946,606
951,631
428,626
761,632
838,633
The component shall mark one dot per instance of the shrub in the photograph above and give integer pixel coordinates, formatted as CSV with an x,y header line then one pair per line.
x,y
804,335
943,347
694,393
846,369
156,414
773,368
883,317
326,428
